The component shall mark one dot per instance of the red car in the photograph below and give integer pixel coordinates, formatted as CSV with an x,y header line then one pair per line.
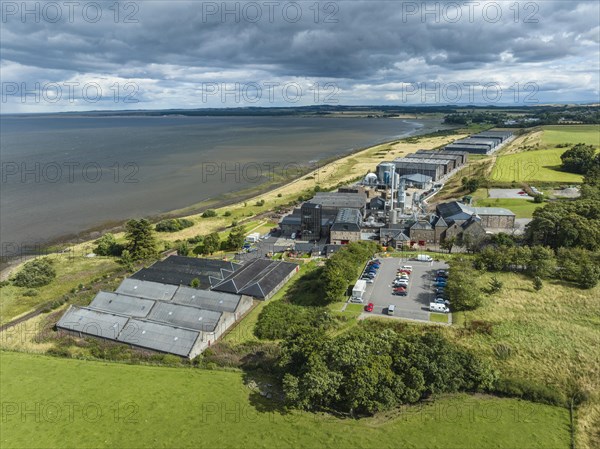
x,y
399,289
369,307
408,272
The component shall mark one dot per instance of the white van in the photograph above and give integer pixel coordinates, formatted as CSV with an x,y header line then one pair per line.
x,y
391,309
442,308
424,258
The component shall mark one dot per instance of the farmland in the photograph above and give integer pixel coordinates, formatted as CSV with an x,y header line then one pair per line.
x,y
535,157
144,406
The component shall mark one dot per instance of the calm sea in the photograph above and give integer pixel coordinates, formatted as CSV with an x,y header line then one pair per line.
x,y
62,175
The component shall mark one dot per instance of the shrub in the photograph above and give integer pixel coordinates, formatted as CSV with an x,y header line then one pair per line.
x,y
209,213
107,246
260,203
173,224
4,284
281,319
36,273
31,293
539,198
227,213
529,390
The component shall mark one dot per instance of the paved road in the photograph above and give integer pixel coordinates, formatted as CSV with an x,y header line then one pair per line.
x,y
415,305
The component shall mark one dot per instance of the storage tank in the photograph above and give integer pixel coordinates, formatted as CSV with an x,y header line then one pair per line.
x,y
384,171
371,179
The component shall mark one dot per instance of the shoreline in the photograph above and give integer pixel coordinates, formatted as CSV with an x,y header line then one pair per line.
x,y
63,243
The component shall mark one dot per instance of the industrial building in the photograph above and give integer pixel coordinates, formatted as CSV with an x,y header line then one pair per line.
x,y
314,219
433,168
346,228
179,270
418,181
481,143
177,319
448,163
158,317
261,278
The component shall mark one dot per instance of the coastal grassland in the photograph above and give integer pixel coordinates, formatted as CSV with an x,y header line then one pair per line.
x,y
535,157
72,270
118,405
549,337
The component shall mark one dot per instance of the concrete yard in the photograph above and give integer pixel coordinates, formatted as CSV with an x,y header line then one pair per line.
x,y
507,194
421,292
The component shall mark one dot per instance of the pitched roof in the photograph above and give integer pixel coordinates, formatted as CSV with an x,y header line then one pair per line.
x,y
179,270
257,278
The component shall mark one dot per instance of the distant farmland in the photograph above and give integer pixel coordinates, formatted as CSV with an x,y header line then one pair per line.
x,y
543,164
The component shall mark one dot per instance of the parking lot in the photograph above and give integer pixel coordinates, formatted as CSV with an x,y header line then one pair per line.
x,y
414,306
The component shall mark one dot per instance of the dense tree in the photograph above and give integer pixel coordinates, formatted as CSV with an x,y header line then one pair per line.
x,y
538,284
462,286
141,243
173,224
211,243
236,238
183,248
470,184
578,159
368,370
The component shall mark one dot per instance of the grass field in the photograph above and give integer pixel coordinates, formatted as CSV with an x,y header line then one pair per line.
x,y
533,166
522,208
535,157
552,336
51,402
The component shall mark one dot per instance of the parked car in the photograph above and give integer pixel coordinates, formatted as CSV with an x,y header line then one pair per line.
x,y
440,284
423,258
391,308
442,273
442,308
399,288
400,293
356,300
407,267
440,291
369,281
369,307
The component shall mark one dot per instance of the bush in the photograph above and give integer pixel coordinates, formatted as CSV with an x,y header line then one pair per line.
x,y
280,320
4,284
227,213
539,198
173,224
529,390
209,213
107,246
31,293
36,273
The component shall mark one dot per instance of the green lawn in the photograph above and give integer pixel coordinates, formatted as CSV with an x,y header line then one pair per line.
x,y
438,317
522,208
53,402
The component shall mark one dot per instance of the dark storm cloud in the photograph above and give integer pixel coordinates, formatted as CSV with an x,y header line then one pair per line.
x,y
361,41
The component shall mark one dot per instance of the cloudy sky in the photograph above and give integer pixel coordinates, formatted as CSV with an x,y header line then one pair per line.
x,y
59,56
